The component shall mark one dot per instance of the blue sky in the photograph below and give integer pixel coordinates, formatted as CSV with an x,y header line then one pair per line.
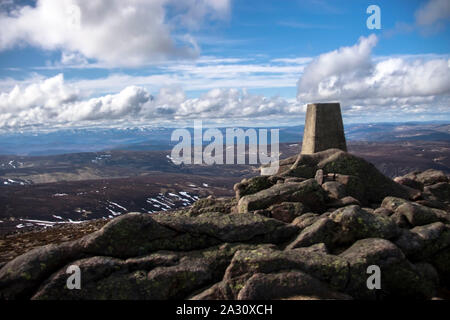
x,y
75,62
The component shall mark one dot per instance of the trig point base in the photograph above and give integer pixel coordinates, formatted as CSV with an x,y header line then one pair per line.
x,y
323,128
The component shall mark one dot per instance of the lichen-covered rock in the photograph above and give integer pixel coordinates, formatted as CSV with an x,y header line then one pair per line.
x,y
286,211
327,268
334,189
286,284
162,275
324,230
305,220
306,165
129,235
255,184
383,211
344,202
230,228
136,234
409,182
422,243
439,191
376,185
399,278
392,203
354,186
308,192
407,214
356,223
211,204
21,276
416,214
344,226
319,176
428,177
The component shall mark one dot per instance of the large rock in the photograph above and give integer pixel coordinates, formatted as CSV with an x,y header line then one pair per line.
x,y
162,275
424,242
416,214
377,186
286,284
305,220
413,214
324,230
211,204
439,191
136,234
286,211
334,189
409,182
230,228
255,184
308,192
344,226
245,263
399,278
21,276
426,178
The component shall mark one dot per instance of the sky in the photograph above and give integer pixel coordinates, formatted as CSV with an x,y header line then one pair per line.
x,y
69,63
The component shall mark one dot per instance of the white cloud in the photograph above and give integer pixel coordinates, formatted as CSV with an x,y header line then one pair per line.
x,y
121,33
352,76
52,102
340,61
433,11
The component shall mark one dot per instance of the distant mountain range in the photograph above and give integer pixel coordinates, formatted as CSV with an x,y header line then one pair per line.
x,y
147,138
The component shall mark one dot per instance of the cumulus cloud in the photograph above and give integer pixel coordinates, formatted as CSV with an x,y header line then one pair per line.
x,y
53,102
128,33
433,11
351,75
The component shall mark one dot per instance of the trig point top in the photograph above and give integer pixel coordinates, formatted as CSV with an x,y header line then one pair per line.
x,y
323,128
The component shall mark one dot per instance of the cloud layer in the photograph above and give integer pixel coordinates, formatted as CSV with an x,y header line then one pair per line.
x,y
352,76
51,102
120,33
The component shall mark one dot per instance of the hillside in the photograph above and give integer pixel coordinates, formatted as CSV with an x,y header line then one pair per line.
x,y
310,231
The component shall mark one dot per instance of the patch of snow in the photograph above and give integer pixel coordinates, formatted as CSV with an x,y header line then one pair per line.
x,y
117,205
205,185
186,194
113,212
60,194
75,222
159,202
175,195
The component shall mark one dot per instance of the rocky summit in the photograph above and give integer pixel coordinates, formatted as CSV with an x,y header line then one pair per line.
x,y
314,230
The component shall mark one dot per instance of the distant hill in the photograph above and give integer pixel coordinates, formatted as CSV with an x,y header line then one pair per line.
x,y
149,138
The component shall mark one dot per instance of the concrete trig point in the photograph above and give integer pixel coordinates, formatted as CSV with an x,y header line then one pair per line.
x,y
323,128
